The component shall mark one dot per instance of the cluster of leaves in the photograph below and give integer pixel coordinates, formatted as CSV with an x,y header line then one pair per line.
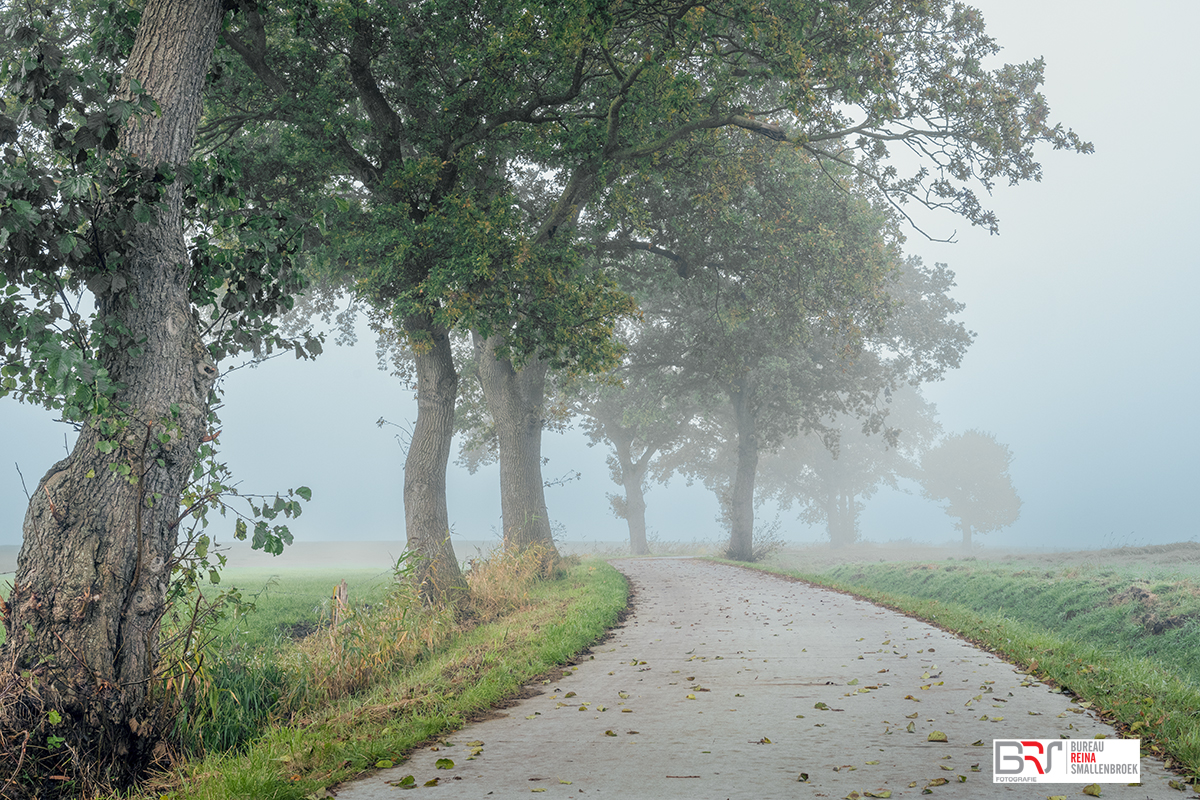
x,y
71,197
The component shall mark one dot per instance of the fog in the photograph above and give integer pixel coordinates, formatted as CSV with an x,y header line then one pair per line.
x,y
1084,363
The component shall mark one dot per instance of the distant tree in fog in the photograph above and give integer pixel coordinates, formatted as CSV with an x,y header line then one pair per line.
x,y
639,421
828,477
969,471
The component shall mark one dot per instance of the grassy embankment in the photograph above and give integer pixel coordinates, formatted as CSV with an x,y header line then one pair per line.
x,y
1121,634
285,718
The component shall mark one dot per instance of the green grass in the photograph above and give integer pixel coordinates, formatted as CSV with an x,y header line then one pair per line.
x,y
461,677
291,602
1125,641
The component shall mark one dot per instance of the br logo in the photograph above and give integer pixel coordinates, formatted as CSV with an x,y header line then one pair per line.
x,y
1012,756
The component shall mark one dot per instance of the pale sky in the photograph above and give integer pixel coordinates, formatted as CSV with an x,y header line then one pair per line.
x,y
1085,362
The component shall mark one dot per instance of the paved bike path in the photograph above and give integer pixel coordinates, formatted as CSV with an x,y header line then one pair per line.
x,y
713,687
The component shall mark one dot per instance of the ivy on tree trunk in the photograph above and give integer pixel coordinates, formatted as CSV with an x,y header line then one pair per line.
x,y
82,619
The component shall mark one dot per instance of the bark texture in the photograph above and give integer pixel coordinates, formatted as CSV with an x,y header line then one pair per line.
x,y
426,519
515,401
741,493
83,614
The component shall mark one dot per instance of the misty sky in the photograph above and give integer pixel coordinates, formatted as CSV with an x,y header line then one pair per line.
x,y
1085,362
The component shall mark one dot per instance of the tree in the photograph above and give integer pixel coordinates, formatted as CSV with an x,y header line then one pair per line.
x,y
829,480
969,471
407,115
785,316
97,185
436,110
639,419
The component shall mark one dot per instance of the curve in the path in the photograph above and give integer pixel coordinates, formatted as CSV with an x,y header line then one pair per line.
x,y
730,683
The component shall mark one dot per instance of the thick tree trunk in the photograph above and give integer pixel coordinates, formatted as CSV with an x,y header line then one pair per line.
x,y
83,615
966,529
515,400
426,520
632,475
741,495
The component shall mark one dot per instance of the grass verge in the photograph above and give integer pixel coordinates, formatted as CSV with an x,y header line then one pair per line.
x,y
461,677
1090,633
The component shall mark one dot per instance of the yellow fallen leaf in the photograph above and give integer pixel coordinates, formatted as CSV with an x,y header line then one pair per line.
x,y
1092,790
939,782
937,736
691,697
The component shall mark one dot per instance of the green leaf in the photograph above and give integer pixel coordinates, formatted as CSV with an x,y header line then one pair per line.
x,y
304,492
444,763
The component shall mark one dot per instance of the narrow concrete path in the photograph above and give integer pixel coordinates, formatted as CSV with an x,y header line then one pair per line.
x,y
712,689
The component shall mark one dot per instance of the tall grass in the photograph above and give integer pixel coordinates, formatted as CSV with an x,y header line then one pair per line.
x,y
333,727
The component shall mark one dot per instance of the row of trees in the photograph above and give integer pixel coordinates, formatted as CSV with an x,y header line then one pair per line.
x,y
708,185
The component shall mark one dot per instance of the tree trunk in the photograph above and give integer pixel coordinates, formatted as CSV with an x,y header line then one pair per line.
x,y
741,496
426,520
83,615
632,475
966,529
515,400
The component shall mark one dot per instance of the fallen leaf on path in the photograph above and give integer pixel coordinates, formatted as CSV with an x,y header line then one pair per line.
x,y
432,782
939,782
385,763
1092,790
407,782
443,763
803,777
937,736
881,793
609,733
